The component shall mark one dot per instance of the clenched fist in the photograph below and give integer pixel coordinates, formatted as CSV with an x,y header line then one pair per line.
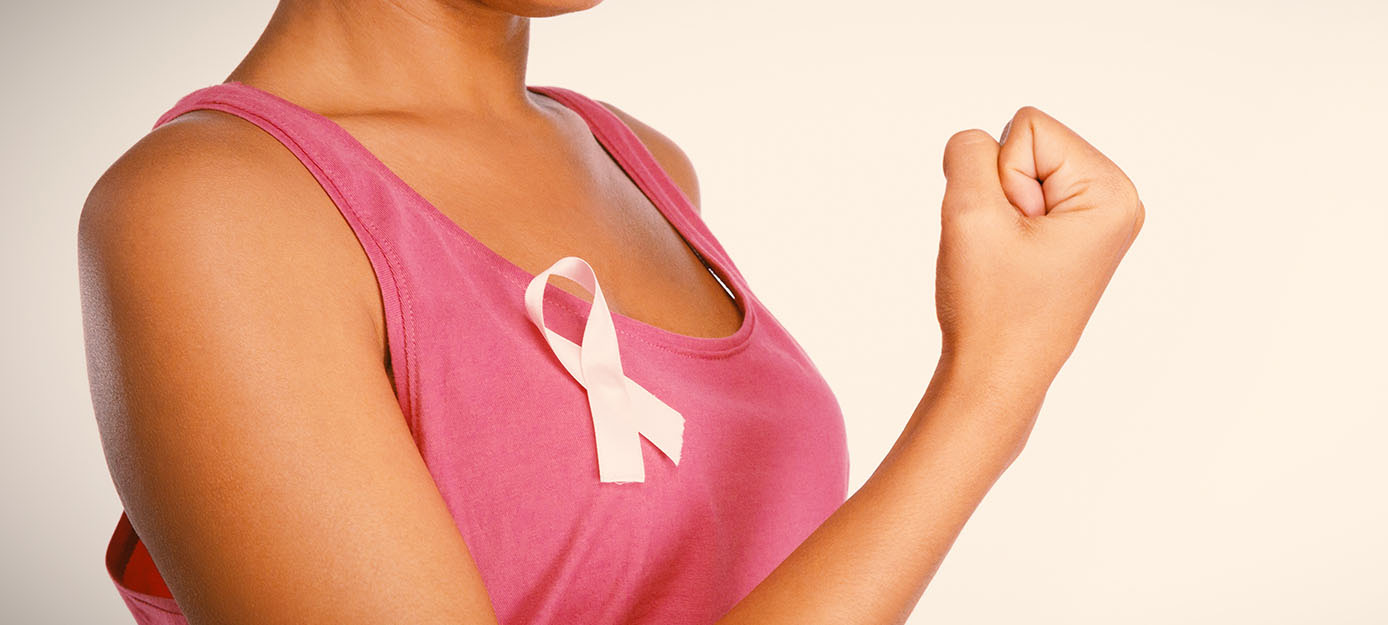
x,y
1031,231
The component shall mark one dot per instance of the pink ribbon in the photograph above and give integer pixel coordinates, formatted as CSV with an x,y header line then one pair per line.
x,y
622,409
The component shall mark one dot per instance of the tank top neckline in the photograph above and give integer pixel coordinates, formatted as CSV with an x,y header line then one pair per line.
x,y
635,161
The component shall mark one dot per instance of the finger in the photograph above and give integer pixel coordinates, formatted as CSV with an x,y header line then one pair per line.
x,y
1044,166
1018,176
971,172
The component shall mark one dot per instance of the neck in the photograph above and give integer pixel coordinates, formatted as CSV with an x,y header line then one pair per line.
x,y
401,55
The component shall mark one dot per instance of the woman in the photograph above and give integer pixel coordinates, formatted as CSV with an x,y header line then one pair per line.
x,y
327,394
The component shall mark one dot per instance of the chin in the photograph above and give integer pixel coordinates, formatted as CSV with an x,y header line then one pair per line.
x,y
540,8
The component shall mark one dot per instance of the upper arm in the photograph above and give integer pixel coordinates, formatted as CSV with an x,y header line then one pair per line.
x,y
237,378
671,158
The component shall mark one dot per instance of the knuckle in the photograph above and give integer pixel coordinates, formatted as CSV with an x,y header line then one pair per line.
x,y
1128,194
1127,209
1115,188
1120,193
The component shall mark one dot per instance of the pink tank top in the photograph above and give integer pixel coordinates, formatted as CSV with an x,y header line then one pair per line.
x,y
508,432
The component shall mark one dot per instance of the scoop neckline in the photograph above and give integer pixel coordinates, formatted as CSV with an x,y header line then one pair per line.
x,y
574,305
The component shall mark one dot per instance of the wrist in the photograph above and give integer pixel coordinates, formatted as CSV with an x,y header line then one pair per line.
x,y
1001,383
985,398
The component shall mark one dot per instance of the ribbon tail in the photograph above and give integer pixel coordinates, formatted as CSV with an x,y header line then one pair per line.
x,y
615,430
662,425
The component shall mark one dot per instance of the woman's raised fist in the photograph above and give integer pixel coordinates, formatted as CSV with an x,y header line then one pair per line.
x,y
1031,231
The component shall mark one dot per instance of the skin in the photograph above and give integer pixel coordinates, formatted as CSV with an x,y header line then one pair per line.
x,y
237,348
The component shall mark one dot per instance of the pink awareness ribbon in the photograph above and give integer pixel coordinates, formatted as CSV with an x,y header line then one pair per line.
x,y
622,410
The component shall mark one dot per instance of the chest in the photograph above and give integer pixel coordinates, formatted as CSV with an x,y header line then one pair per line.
x,y
532,196
506,434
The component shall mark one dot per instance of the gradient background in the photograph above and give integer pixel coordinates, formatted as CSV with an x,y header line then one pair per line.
x,y
1214,452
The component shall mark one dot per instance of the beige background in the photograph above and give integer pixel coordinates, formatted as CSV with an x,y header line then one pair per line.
x,y
1213,452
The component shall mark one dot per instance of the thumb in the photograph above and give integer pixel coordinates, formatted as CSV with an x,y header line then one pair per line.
x,y
971,172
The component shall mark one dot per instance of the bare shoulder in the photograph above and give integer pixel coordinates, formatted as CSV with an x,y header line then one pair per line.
x,y
666,151
240,396
211,193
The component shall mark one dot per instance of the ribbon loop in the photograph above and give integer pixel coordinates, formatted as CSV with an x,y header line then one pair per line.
x,y
622,410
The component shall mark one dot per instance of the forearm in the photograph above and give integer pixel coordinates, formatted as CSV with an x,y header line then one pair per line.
x,y
869,562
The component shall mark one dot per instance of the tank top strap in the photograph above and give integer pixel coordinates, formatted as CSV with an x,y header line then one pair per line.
x,y
356,182
633,155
